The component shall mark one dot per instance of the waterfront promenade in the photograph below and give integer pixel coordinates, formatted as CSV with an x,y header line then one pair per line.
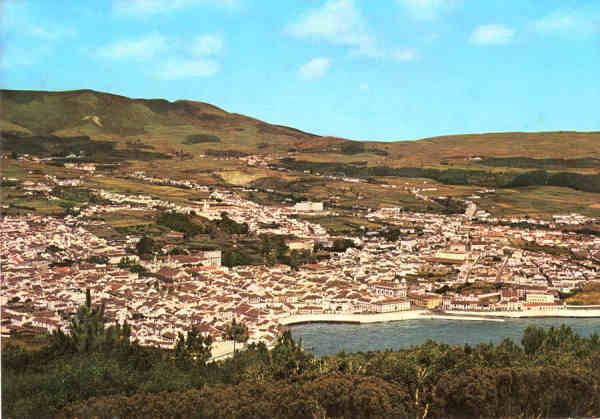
x,y
427,315
376,318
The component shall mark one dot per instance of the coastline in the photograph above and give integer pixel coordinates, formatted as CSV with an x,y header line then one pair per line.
x,y
493,316
377,318
350,318
224,349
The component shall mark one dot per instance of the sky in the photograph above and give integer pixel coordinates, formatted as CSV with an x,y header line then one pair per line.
x,y
384,70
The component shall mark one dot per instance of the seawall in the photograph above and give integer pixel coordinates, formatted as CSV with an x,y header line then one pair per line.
x,y
377,318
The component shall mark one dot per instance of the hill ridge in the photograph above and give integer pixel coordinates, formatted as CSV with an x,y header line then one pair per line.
x,y
166,124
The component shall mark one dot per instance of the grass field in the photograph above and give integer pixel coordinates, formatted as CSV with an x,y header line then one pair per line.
x,y
9,169
132,186
339,225
536,201
588,295
128,218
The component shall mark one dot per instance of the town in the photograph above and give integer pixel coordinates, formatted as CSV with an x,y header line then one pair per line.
x,y
421,263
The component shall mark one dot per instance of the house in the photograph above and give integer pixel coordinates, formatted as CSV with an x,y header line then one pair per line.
x,y
408,245
426,300
542,306
389,289
362,305
301,245
391,305
539,297
310,310
45,323
309,206
211,258
450,258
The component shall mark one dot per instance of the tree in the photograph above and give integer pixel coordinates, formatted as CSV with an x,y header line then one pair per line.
x,y
287,357
125,262
237,332
145,246
53,249
88,332
340,245
178,251
193,349
87,327
97,260
533,339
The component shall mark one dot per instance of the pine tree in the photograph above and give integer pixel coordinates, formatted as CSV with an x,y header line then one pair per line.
x,y
237,332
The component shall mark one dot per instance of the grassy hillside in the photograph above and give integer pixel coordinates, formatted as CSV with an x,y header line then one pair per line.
x,y
157,122
539,145
166,125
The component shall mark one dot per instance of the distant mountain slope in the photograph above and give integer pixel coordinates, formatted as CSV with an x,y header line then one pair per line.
x,y
558,144
165,124
103,115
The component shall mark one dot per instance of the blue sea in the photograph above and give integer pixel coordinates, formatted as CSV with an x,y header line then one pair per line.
x,y
331,338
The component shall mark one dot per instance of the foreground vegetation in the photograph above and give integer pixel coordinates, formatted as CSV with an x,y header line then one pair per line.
x,y
551,373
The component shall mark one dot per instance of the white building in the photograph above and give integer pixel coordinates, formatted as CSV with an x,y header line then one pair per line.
x,y
539,298
212,258
309,206
391,305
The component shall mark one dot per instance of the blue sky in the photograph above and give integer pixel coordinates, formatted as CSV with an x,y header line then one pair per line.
x,y
369,70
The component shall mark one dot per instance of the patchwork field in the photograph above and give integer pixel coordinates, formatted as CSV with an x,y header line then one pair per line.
x,y
536,201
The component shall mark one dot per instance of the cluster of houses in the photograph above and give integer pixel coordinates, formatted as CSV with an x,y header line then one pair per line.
x,y
257,160
187,184
434,254
88,167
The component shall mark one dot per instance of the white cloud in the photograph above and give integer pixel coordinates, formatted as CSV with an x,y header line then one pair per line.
x,y
338,22
148,7
569,23
205,45
491,35
181,69
315,68
427,9
180,59
141,49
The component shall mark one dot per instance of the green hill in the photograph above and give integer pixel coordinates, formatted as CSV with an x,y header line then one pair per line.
x,y
107,116
165,124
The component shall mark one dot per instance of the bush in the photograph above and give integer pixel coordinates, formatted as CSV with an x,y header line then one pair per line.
x,y
201,138
352,148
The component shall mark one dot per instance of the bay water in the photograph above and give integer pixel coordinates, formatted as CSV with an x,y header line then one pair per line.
x,y
331,338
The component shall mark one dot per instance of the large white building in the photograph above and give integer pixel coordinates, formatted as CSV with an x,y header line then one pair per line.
x,y
539,297
212,258
391,305
309,206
